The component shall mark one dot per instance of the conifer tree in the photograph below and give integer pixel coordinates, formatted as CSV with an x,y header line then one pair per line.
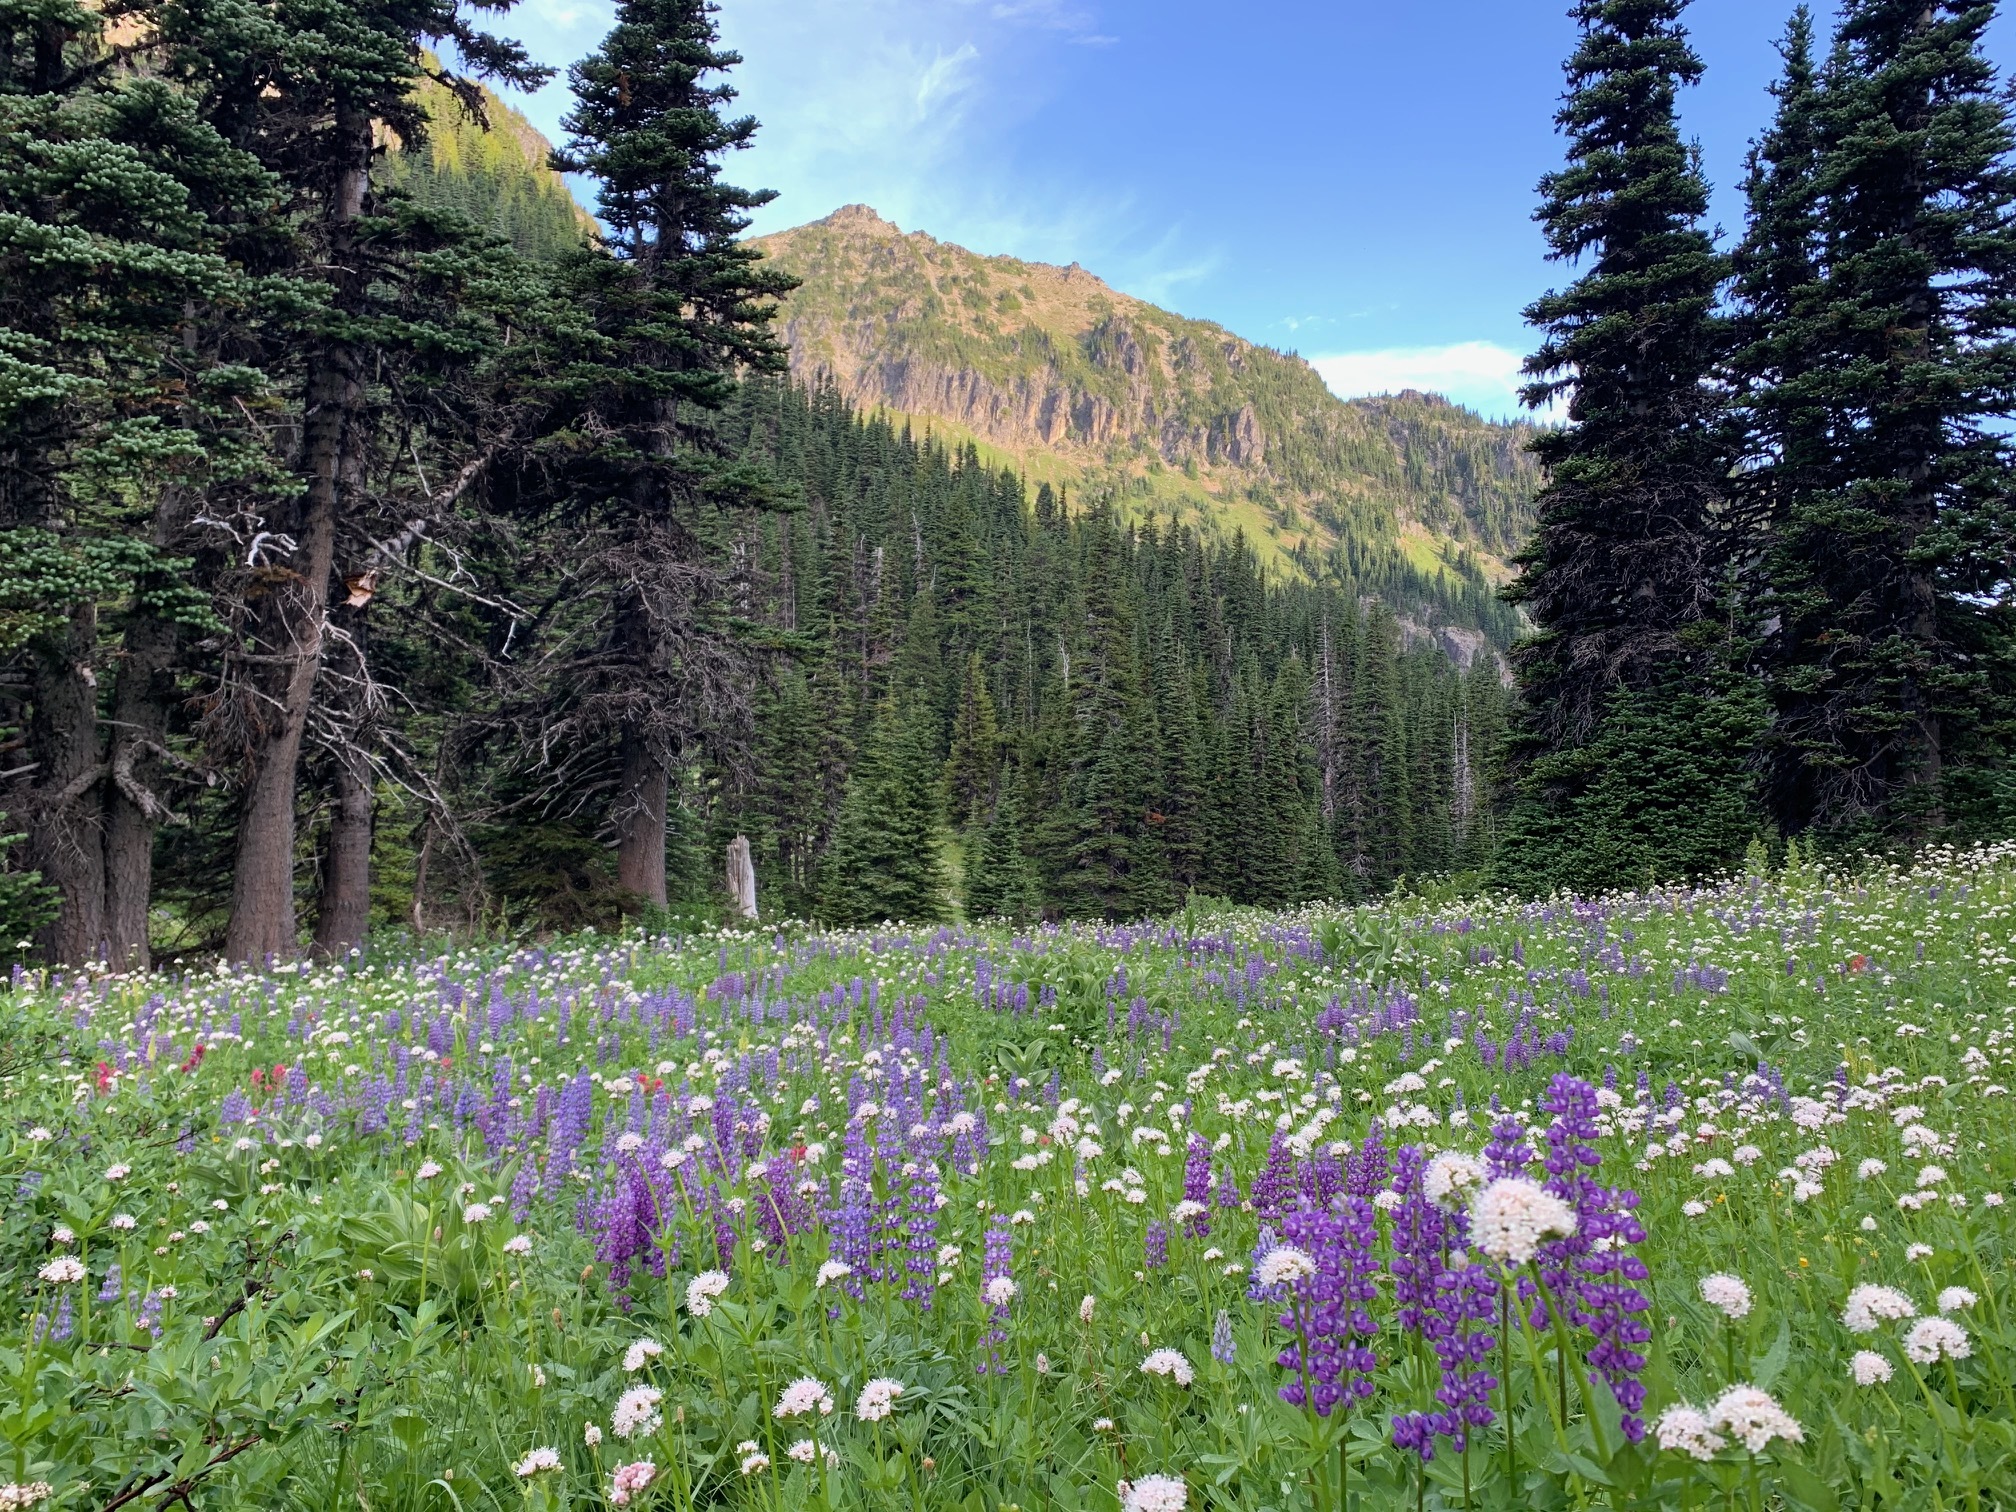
x,y
627,468
1626,574
972,769
121,200
999,884
1880,275
884,862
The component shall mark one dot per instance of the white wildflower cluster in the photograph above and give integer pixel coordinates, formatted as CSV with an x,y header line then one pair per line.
x,y
806,1395
1171,1364
877,1399
1154,1493
1727,1294
636,1412
703,1290
1513,1216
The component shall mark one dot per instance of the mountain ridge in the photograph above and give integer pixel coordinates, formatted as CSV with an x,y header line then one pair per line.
x,y
1081,383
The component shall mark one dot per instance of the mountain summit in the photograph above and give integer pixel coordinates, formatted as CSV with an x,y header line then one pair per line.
x,y
1072,381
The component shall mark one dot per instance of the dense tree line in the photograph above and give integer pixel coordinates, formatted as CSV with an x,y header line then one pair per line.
x,y
371,553
1772,576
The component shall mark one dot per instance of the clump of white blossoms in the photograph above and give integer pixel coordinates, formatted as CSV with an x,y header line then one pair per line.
x,y
1450,1179
877,1399
1000,1291
518,1244
1870,1368
476,1212
1930,1340
1086,1307
1869,1307
1727,1294
1154,1493
1513,1216
805,1395
1284,1265
591,1435
640,1354
832,1270
538,1462
703,1289
1686,1430
754,1460
636,1412
1956,1299
805,1452
16,1496
1170,1363
62,1271
1754,1419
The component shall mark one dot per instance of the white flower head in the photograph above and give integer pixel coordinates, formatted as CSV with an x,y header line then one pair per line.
x,y
1512,1216
1870,1369
476,1212
1930,1340
1000,1291
1753,1418
538,1462
877,1399
832,1270
518,1244
1686,1430
640,1354
636,1412
1284,1265
1086,1306
1170,1363
1727,1294
1956,1299
64,1270
806,1452
1451,1178
803,1396
1870,1306
703,1289
1155,1493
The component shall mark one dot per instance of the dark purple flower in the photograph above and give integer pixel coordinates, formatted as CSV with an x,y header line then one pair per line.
x,y
1328,1362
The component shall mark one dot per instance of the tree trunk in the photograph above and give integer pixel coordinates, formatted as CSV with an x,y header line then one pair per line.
x,y
345,911
640,820
66,814
134,811
294,614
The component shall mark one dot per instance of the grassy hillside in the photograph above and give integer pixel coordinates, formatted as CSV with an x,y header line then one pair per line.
x,y
1080,383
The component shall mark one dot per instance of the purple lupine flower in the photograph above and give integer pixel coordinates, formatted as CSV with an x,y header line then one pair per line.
x,y
148,1314
1197,1185
852,1219
1439,1295
997,1290
1328,1362
1274,1186
920,1233
780,1210
1223,1349
1155,1245
1367,1166
1593,1273
113,1289
1507,1153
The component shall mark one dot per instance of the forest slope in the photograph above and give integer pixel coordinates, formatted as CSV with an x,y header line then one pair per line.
x,y
1077,383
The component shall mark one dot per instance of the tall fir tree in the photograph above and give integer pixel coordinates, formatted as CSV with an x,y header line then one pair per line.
x,y
627,463
885,861
1626,575
1879,272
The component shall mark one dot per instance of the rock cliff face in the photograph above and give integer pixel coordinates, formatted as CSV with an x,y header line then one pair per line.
x,y
1078,383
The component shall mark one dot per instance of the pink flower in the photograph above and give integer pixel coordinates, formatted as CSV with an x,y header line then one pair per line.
x,y
630,1479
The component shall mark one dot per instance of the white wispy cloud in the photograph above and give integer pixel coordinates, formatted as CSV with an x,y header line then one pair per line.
x,y
1480,374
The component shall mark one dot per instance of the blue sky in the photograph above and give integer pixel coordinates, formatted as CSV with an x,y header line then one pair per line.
x,y
1350,179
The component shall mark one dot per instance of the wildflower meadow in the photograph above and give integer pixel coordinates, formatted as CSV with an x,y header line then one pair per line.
x,y
1665,1199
